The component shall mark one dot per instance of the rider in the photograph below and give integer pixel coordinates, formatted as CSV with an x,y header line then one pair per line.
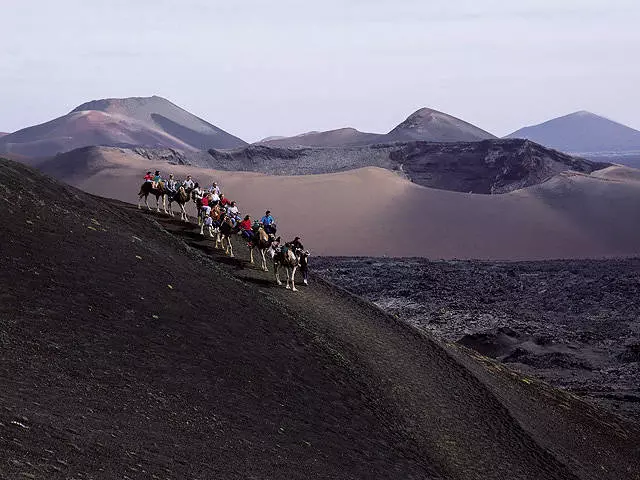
x,y
197,193
188,183
245,228
215,199
214,188
171,185
268,222
224,201
206,199
295,244
148,177
232,210
156,179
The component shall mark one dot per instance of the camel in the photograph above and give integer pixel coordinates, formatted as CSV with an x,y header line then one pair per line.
x,y
181,197
261,242
146,189
287,258
227,228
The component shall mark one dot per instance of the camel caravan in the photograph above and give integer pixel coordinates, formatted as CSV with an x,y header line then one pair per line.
x,y
219,218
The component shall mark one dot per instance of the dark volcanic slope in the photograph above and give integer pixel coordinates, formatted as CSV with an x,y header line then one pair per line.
x,y
126,352
139,121
490,166
582,132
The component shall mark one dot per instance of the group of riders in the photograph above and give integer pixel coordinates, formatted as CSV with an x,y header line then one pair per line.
x,y
216,213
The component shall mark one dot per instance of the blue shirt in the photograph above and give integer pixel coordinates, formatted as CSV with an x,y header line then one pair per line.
x,y
266,220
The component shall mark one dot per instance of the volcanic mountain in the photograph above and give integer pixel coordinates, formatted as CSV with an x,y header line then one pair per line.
x,y
139,121
423,125
145,353
582,132
434,126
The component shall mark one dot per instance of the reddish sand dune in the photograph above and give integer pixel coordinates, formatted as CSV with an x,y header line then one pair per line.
x,y
371,211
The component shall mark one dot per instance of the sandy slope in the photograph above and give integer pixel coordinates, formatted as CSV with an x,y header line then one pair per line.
x,y
371,211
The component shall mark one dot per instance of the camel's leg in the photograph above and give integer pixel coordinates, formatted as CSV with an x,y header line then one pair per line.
x,y
230,246
264,260
217,240
288,270
139,201
164,204
251,255
293,276
276,273
202,229
157,203
146,202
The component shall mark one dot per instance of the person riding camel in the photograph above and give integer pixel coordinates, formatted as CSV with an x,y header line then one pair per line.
x,y
156,179
268,223
206,200
197,193
214,188
188,183
295,244
232,210
148,177
215,199
224,201
171,185
245,229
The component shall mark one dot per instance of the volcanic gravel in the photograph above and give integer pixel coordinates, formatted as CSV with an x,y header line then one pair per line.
x,y
573,323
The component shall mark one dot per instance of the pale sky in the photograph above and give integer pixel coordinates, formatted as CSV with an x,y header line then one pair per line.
x,y
258,68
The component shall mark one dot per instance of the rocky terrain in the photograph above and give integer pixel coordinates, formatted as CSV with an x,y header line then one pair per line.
x,y
490,166
122,122
132,348
571,323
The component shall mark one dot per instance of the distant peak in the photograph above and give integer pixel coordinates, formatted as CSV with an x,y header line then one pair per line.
x,y
104,103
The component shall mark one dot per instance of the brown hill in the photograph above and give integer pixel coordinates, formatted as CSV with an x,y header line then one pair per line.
x,y
144,356
372,211
143,121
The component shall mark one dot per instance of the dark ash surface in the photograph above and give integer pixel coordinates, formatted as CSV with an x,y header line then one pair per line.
x,y
572,323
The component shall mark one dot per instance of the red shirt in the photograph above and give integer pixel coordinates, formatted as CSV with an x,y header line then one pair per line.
x,y
205,201
225,201
245,225
148,177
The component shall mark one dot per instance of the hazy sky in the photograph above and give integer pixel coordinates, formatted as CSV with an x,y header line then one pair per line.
x,y
280,67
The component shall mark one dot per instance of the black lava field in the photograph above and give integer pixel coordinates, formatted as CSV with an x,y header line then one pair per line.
x,y
574,324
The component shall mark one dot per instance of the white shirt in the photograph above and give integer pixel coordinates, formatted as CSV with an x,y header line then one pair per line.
x,y
232,210
188,184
